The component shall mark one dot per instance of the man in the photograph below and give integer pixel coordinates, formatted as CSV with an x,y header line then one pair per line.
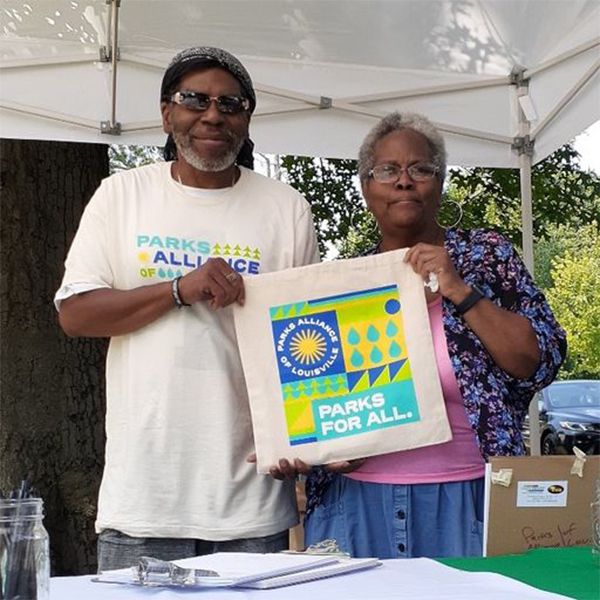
x,y
156,263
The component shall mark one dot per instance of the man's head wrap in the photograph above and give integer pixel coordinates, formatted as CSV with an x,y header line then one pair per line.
x,y
206,57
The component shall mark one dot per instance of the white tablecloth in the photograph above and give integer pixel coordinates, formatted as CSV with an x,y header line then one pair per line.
x,y
401,579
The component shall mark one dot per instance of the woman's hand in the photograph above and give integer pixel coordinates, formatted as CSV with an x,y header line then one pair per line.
x,y
345,466
426,259
287,470
507,336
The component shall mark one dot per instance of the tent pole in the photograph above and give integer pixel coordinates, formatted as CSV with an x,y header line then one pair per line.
x,y
574,52
113,127
114,57
526,210
523,144
527,241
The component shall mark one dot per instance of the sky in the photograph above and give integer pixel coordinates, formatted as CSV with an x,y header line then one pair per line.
x,y
588,145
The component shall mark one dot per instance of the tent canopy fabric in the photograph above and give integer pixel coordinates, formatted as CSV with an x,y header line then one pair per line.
x,y
496,76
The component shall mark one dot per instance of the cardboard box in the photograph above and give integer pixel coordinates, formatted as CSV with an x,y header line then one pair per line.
x,y
544,505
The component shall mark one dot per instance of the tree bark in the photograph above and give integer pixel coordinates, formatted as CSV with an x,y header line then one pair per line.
x,y
51,387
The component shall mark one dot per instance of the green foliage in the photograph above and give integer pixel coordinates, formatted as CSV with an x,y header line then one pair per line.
x,y
331,187
362,236
575,300
557,241
561,194
123,157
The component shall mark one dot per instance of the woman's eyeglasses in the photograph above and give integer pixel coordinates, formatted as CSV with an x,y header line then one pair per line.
x,y
392,173
230,105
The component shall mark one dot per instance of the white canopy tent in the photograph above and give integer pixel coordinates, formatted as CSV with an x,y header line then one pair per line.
x,y
507,81
320,66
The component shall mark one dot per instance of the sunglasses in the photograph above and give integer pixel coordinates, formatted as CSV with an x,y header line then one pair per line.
x,y
230,105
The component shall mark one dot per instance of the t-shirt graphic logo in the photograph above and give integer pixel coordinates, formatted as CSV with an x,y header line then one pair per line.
x,y
165,257
343,365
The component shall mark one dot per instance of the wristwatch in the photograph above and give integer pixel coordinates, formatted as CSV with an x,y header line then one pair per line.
x,y
470,301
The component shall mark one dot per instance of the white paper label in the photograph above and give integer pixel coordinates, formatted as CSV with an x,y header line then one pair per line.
x,y
538,494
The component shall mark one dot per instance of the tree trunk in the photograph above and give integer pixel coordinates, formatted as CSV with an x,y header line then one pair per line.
x,y
52,387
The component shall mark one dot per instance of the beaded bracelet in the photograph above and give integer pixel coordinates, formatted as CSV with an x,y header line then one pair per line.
x,y
175,293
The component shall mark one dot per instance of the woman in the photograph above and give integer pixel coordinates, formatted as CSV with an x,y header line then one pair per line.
x,y
496,343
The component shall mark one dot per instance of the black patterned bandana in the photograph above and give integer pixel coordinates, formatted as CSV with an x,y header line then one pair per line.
x,y
205,57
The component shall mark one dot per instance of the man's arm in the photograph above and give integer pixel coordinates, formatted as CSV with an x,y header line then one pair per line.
x,y
109,312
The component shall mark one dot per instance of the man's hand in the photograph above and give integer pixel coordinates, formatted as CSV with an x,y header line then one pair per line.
x,y
214,282
287,470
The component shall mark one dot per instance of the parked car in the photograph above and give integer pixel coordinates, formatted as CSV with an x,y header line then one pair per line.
x,y
569,417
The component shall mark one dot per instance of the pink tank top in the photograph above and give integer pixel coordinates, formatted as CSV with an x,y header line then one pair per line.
x,y
456,460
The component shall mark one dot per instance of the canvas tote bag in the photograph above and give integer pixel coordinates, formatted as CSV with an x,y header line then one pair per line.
x,y
339,361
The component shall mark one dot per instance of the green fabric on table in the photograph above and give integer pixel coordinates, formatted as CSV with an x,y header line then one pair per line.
x,y
572,572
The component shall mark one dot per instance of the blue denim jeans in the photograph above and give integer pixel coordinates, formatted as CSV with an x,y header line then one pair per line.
x,y
400,521
117,550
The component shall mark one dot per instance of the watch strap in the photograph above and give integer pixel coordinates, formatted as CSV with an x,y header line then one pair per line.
x,y
469,302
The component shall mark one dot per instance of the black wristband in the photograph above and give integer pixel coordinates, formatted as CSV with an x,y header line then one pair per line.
x,y
470,301
175,293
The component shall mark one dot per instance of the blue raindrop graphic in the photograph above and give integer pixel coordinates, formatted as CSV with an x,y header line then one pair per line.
x,y
391,329
357,359
394,350
353,337
376,355
372,333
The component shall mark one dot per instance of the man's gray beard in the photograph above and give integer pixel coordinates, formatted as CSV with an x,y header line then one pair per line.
x,y
212,165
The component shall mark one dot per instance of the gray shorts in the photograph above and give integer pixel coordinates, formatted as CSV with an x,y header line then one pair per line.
x,y
117,550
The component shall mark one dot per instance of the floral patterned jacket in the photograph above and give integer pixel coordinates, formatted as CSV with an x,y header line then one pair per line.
x,y
496,403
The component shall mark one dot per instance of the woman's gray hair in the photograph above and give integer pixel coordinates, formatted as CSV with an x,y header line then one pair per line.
x,y
397,122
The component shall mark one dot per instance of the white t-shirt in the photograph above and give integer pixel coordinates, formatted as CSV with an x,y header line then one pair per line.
x,y
178,422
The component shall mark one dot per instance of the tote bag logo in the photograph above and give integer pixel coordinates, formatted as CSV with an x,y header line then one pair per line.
x,y
343,365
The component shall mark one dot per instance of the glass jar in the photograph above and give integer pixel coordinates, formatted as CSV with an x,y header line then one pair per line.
x,y
24,550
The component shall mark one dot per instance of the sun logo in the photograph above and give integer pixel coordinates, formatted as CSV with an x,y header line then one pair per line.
x,y
308,347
